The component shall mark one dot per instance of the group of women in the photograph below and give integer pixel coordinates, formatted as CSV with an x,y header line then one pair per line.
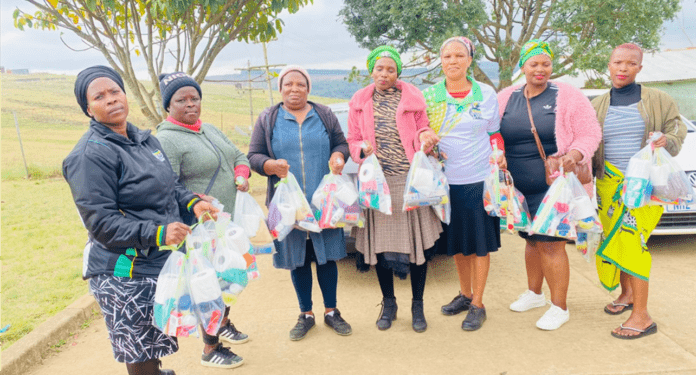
x,y
132,202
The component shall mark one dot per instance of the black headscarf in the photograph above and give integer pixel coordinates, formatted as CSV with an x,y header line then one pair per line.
x,y
85,77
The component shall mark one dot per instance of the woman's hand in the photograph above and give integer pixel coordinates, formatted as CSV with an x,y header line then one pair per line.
x,y
428,139
176,232
500,160
244,186
202,207
367,149
336,163
570,160
279,167
660,142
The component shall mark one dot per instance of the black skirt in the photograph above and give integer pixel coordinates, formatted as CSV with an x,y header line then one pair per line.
x,y
471,229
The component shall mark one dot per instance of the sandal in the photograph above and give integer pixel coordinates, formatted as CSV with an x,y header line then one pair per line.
x,y
626,307
642,332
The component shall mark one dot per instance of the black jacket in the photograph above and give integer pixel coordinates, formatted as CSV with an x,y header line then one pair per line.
x,y
126,193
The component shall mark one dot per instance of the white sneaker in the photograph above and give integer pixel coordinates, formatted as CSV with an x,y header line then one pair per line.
x,y
527,301
554,318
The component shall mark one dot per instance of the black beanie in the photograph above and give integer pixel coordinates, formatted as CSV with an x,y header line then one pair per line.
x,y
170,83
85,77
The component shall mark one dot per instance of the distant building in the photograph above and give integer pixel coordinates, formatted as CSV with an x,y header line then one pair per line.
x,y
19,71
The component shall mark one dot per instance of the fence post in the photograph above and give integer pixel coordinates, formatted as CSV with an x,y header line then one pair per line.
x,y
20,143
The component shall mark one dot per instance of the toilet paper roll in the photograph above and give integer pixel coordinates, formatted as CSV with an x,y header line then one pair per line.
x,y
204,286
659,175
224,260
423,179
234,235
346,194
583,207
250,224
166,287
639,168
366,173
287,213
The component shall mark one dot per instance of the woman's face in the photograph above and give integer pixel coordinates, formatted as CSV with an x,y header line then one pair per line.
x,y
455,61
106,102
185,105
294,90
538,69
624,65
384,74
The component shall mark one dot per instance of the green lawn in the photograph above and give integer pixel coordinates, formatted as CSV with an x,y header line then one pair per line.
x,y
42,235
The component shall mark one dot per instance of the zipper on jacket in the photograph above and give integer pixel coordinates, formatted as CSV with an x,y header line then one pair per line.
x,y
304,179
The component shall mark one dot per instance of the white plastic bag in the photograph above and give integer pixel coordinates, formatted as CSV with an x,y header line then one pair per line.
x,y
249,215
584,212
501,199
230,264
289,208
444,210
554,216
669,182
373,190
637,188
426,185
205,291
172,311
199,239
336,202
587,244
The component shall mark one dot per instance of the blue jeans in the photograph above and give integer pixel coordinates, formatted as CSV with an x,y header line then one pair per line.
x,y
327,274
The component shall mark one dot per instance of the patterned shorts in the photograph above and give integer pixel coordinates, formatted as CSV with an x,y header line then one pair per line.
x,y
127,308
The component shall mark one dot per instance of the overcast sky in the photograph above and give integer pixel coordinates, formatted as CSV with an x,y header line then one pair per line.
x,y
314,38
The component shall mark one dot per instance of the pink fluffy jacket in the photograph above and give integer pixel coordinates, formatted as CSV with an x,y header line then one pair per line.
x,y
411,119
577,127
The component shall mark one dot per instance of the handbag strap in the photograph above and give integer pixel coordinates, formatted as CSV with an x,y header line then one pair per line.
x,y
212,180
534,130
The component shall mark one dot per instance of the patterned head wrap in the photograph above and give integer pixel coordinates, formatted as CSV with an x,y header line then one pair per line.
x,y
463,40
383,51
534,47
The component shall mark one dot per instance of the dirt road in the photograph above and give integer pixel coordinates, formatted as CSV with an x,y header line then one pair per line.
x,y
508,343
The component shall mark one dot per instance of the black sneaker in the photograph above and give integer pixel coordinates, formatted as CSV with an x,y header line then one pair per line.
x,y
474,319
229,334
221,357
304,324
459,303
336,322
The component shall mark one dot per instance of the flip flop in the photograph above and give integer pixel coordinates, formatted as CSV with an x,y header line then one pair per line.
x,y
642,332
626,307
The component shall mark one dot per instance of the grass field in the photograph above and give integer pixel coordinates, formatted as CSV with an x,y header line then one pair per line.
x,y
42,237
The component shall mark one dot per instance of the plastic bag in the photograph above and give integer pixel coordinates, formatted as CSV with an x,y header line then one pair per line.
x,y
229,263
205,291
554,216
669,182
336,202
249,215
587,244
426,185
584,212
373,190
637,188
289,208
199,239
172,310
501,199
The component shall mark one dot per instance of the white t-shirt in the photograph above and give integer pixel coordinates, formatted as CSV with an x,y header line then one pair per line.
x,y
467,145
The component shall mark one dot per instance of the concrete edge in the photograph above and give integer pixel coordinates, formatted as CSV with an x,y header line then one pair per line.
x,y
29,350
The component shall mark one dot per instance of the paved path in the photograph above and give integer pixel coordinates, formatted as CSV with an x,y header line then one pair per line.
x,y
508,343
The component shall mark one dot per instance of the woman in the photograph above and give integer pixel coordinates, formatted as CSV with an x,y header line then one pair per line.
x,y
464,113
629,114
304,138
388,118
567,127
209,164
129,201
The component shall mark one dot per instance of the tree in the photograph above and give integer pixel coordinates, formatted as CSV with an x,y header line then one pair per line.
x,y
189,33
581,32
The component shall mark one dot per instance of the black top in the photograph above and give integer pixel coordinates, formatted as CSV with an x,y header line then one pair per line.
x,y
524,162
626,95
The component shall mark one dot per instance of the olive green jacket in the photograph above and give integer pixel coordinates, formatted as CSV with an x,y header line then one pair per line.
x,y
194,159
659,112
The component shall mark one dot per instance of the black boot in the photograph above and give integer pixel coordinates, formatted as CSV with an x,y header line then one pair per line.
x,y
387,314
419,323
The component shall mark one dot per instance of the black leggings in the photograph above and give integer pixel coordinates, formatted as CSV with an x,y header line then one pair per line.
x,y
327,275
386,280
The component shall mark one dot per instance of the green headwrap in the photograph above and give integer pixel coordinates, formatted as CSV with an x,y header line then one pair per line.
x,y
534,47
383,51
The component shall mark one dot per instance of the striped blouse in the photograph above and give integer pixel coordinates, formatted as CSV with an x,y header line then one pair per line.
x,y
623,134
